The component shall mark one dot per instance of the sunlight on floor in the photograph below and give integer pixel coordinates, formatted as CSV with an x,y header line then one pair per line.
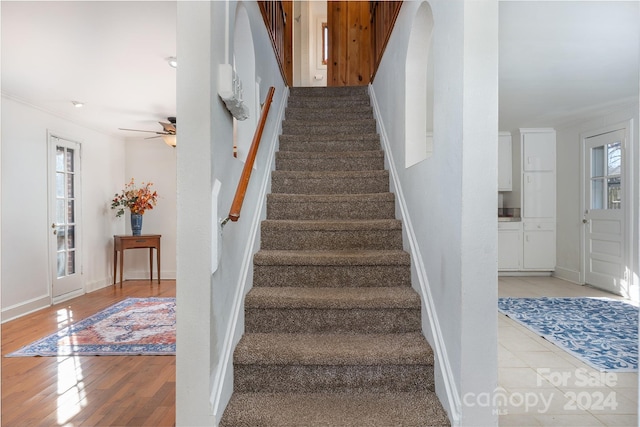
x,y
71,388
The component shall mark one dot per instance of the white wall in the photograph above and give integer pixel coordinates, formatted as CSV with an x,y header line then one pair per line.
x,y
569,211
448,200
210,302
26,281
152,161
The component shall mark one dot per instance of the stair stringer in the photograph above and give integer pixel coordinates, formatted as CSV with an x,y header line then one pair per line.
x,y
453,404
222,377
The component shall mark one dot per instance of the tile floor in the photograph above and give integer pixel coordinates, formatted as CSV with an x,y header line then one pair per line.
x,y
542,385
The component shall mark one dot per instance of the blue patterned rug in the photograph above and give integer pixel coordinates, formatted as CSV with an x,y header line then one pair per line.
x,y
601,332
134,326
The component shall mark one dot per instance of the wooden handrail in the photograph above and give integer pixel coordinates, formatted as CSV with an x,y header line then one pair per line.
x,y
236,206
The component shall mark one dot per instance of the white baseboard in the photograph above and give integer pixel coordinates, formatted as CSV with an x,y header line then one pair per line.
x,y
568,275
25,308
524,273
98,284
144,275
451,399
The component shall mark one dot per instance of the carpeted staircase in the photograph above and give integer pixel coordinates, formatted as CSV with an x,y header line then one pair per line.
x,y
332,325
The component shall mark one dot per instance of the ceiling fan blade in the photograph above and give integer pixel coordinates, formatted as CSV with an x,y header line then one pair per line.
x,y
168,127
138,130
157,136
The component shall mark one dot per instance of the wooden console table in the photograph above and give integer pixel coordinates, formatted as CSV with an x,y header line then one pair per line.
x,y
121,243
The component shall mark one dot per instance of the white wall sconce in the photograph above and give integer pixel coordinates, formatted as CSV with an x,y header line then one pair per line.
x,y
230,90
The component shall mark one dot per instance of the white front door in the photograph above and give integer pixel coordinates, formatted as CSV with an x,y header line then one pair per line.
x,y
64,216
604,211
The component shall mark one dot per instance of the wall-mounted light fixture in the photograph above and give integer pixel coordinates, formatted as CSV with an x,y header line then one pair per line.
x,y
230,90
77,104
172,61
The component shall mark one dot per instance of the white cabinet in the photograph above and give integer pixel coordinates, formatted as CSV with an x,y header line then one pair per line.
x,y
538,150
509,246
539,195
505,168
539,246
534,192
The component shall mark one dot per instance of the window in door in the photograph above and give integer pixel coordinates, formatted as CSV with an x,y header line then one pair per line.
x,y
325,43
605,176
65,211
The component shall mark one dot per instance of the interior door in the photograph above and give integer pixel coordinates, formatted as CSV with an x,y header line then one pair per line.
x,y
349,56
64,215
604,225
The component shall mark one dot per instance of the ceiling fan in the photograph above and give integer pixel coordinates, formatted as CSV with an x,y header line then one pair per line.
x,y
168,133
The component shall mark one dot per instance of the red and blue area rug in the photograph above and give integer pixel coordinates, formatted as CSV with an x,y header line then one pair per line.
x,y
134,326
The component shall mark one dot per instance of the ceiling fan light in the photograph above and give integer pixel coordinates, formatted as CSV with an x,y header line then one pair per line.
x,y
170,140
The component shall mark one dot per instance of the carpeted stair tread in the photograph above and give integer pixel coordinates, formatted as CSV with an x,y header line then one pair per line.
x,y
328,91
329,161
354,127
333,349
325,175
336,124
332,198
334,258
333,224
344,139
353,112
329,155
330,182
336,143
330,206
332,298
304,235
328,276
328,102
398,409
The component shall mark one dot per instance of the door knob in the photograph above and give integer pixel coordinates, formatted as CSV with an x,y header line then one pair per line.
x,y
585,221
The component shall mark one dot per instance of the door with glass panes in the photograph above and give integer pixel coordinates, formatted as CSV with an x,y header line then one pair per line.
x,y
603,220
64,215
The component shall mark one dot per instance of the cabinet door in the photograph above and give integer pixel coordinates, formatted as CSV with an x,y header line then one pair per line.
x,y
509,249
539,250
539,151
539,195
505,169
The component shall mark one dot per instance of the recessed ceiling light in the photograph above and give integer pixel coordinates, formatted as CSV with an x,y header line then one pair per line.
x,y
173,62
77,104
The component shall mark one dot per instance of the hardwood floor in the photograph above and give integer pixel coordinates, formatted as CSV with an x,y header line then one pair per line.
x,y
85,390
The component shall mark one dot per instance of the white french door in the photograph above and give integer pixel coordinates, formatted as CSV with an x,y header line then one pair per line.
x,y
604,210
64,218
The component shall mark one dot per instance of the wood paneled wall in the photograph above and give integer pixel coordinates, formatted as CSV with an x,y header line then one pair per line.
x,y
350,60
